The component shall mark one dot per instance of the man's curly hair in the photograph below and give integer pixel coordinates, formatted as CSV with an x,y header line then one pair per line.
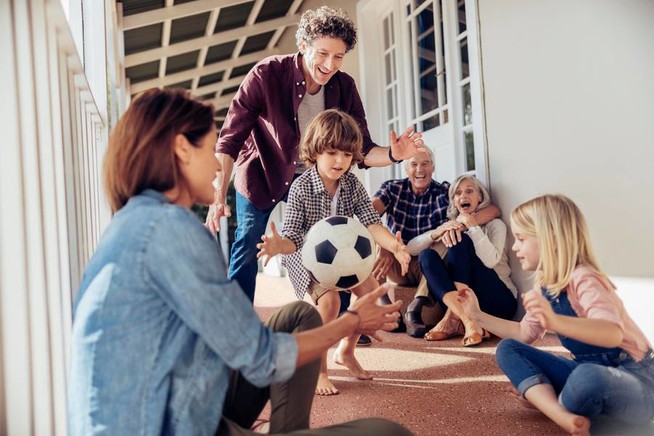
x,y
326,22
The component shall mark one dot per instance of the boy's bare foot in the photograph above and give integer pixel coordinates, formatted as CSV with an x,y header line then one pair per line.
x,y
351,363
325,386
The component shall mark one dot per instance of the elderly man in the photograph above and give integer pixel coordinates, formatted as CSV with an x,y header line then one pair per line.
x,y
413,206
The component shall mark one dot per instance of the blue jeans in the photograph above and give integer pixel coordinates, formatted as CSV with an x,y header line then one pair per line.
x,y
243,265
464,266
609,384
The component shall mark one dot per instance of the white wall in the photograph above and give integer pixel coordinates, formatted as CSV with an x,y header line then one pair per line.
x,y
568,102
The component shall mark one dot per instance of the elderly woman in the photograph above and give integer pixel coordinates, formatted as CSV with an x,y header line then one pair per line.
x,y
479,262
163,342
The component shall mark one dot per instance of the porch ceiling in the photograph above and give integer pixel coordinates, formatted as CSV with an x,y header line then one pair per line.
x,y
205,46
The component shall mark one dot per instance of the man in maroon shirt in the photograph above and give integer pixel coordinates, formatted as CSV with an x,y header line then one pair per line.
x,y
264,125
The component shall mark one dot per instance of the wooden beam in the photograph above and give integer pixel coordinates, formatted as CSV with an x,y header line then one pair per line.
x,y
203,71
218,86
215,39
176,11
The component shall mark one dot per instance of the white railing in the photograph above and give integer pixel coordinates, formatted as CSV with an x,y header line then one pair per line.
x,y
51,208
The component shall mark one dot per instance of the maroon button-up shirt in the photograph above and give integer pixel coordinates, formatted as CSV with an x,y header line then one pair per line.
x,y
261,131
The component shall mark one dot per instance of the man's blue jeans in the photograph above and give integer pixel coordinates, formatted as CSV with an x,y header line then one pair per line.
x,y
243,265
620,388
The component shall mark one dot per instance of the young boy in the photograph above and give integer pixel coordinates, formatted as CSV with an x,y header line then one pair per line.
x,y
331,146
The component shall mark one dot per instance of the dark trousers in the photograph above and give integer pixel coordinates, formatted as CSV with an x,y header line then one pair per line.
x,y
462,265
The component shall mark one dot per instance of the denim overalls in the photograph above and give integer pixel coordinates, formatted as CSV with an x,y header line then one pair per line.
x,y
596,381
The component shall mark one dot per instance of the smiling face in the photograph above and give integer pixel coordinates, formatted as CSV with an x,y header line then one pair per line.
x,y
332,164
419,170
526,247
321,59
467,196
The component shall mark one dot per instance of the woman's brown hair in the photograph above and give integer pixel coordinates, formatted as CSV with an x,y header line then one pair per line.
x,y
141,148
332,130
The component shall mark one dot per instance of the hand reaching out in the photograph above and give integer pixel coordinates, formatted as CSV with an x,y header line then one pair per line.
x,y
382,264
536,304
401,253
270,245
469,302
406,145
374,317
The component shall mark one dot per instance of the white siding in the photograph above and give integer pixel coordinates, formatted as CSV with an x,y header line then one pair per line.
x,y
568,103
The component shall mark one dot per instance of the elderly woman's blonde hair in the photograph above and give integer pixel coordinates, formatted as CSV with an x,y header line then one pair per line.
x,y
561,231
452,211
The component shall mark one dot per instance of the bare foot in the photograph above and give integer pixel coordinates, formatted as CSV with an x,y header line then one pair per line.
x,y
520,399
578,425
325,386
351,363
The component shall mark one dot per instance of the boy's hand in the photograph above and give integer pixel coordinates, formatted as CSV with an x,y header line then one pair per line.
x,y
382,264
270,246
401,253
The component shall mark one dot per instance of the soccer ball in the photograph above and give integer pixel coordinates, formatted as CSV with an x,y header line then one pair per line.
x,y
338,252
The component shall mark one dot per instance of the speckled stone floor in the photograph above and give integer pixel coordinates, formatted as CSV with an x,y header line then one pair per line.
x,y
432,388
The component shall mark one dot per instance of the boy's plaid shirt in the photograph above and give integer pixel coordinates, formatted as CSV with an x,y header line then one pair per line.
x,y
309,202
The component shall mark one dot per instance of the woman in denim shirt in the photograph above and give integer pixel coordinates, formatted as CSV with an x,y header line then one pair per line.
x,y
162,342
612,367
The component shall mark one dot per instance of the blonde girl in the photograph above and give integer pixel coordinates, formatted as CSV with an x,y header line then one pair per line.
x,y
611,371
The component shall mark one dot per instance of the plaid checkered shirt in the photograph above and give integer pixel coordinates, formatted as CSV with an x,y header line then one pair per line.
x,y
309,202
412,214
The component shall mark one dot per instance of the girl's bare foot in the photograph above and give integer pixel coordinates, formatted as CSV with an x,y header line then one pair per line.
x,y
578,425
520,399
325,386
351,363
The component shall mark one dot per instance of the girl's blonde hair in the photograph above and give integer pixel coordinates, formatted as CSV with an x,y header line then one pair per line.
x,y
331,130
562,234
484,200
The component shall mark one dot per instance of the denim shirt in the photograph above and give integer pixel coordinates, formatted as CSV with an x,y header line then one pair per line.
x,y
157,327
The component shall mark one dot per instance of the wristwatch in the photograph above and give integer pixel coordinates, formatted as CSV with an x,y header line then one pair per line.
x,y
390,156
473,229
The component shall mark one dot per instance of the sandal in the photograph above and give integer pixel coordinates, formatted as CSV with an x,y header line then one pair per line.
x,y
445,329
476,338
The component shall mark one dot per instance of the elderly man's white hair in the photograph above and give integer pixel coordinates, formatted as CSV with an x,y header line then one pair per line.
x,y
428,151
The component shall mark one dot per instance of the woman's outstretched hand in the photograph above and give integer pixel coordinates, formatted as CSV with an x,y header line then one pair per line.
x,y
372,316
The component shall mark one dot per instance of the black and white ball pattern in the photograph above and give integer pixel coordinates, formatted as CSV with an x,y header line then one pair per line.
x,y
339,252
